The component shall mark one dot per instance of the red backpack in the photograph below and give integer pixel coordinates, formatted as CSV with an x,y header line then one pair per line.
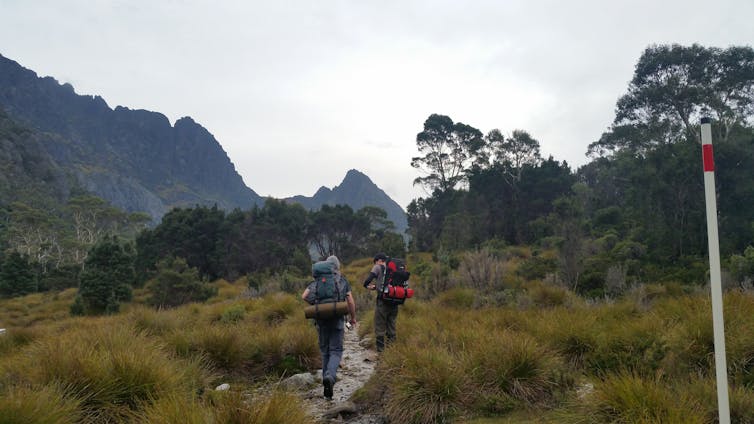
x,y
395,288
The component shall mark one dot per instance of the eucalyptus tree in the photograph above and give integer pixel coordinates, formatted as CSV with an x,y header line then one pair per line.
x,y
672,87
449,150
514,152
648,162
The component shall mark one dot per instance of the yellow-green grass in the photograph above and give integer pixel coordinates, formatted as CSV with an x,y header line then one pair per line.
x,y
628,398
513,362
106,365
36,309
143,362
456,359
227,407
45,405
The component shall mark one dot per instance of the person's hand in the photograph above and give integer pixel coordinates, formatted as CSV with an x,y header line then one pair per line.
x,y
372,287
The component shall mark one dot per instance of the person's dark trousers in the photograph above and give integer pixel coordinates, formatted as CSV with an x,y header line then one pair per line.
x,y
385,315
330,346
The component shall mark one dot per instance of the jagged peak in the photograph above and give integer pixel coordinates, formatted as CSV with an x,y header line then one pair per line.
x,y
322,191
186,120
355,174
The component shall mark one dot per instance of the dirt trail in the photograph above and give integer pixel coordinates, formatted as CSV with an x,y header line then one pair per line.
x,y
356,367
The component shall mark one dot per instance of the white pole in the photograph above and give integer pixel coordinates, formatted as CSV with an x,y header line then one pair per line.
x,y
721,369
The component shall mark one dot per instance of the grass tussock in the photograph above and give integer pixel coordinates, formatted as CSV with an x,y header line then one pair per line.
x,y
110,368
515,364
540,295
46,405
174,409
16,338
278,408
427,386
627,398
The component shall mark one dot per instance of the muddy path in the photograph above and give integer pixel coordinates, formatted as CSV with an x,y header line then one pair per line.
x,y
356,368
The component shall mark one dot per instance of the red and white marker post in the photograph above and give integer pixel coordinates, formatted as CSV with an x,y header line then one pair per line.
x,y
721,369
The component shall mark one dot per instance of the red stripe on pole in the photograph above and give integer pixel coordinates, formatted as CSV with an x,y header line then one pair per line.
x,y
707,158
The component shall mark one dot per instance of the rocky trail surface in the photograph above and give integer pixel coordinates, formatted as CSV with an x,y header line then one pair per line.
x,y
356,368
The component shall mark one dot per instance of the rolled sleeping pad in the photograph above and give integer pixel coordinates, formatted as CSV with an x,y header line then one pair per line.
x,y
398,292
326,310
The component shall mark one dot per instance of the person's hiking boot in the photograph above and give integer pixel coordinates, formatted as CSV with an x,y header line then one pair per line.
x,y
380,341
328,383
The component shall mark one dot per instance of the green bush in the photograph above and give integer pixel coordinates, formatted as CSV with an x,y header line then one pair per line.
x,y
106,279
176,283
17,276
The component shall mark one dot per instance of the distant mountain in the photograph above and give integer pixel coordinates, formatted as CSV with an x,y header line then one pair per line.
x,y
133,158
55,141
357,191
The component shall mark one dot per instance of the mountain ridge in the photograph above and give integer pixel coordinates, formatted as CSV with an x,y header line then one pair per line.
x,y
137,160
133,158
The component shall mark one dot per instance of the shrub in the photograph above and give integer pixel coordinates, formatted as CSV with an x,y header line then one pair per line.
x,y
106,279
742,267
176,283
17,276
537,267
481,270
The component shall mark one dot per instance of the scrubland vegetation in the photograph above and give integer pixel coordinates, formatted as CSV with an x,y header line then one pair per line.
x,y
495,347
154,366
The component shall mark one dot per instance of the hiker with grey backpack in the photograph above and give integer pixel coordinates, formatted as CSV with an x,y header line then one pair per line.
x,y
329,297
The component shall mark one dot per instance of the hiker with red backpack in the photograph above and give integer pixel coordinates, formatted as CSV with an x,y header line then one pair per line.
x,y
391,284
330,298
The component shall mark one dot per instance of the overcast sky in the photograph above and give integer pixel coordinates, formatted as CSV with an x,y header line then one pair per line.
x,y
299,92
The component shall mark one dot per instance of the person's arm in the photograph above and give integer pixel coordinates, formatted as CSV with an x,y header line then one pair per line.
x,y
369,279
351,308
305,296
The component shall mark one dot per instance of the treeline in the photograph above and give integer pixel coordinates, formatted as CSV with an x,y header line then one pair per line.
x,y
192,246
636,212
275,237
44,247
